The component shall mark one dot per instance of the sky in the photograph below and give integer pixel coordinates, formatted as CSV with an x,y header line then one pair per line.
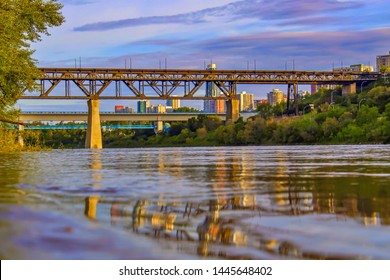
x,y
187,34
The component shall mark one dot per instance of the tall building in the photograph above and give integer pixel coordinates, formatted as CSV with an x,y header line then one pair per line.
x,y
276,96
246,101
123,109
210,106
362,68
119,108
173,103
159,109
382,61
220,106
316,87
355,68
142,106
258,102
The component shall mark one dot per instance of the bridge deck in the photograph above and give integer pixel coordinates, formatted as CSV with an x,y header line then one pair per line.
x,y
167,83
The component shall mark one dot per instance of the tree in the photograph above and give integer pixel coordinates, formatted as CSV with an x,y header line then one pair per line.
x,y
185,109
385,69
22,22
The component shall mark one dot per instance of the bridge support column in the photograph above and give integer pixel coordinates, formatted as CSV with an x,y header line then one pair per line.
x,y
349,89
288,98
232,110
20,137
296,100
160,126
94,131
90,207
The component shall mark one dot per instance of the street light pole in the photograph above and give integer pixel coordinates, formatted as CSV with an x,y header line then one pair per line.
x,y
305,108
361,86
311,106
361,102
331,96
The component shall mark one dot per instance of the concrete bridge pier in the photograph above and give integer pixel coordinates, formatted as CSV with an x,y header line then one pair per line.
x,y
20,137
296,99
232,110
160,126
349,89
94,131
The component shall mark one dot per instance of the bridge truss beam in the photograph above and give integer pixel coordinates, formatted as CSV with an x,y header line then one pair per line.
x,y
94,82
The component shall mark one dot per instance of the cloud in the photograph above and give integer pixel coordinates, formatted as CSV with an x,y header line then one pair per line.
x,y
255,9
159,42
312,48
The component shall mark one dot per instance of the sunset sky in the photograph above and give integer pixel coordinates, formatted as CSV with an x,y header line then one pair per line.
x,y
315,35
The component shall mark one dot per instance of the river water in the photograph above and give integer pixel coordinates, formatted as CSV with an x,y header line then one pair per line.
x,y
295,202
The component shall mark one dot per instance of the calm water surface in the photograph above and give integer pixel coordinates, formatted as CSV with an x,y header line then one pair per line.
x,y
300,202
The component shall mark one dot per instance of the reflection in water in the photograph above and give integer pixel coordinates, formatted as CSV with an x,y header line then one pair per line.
x,y
234,203
97,176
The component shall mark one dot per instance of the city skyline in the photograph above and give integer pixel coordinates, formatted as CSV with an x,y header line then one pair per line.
x,y
280,34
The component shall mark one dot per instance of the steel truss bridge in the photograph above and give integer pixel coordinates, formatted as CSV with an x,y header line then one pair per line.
x,y
164,83
167,83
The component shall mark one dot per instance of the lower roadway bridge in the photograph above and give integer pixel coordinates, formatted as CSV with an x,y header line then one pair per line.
x,y
156,119
104,127
111,116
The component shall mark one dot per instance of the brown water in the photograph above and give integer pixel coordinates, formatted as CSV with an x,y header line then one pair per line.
x,y
300,202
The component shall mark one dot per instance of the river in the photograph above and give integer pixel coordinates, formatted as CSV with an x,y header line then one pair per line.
x,y
273,202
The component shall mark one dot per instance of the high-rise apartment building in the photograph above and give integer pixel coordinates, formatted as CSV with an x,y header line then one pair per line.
x,y
276,96
210,106
142,106
382,61
220,106
258,102
316,87
173,103
159,109
246,101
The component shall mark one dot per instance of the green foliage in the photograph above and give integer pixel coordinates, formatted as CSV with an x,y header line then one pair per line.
x,y
22,22
379,97
8,142
185,110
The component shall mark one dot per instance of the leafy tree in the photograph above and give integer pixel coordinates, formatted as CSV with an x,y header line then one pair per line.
x,y
330,127
185,109
22,22
212,122
385,69
265,110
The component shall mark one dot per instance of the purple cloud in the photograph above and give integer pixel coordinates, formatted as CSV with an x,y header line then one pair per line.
x,y
321,46
325,39
258,9
159,42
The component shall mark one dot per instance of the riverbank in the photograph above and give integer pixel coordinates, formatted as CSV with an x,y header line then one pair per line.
x,y
9,141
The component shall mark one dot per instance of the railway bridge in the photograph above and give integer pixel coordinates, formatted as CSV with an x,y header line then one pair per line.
x,y
96,84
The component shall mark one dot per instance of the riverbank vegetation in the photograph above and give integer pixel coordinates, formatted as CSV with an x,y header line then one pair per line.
x,y
22,23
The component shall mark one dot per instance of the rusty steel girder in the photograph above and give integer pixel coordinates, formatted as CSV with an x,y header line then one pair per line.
x,y
93,82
